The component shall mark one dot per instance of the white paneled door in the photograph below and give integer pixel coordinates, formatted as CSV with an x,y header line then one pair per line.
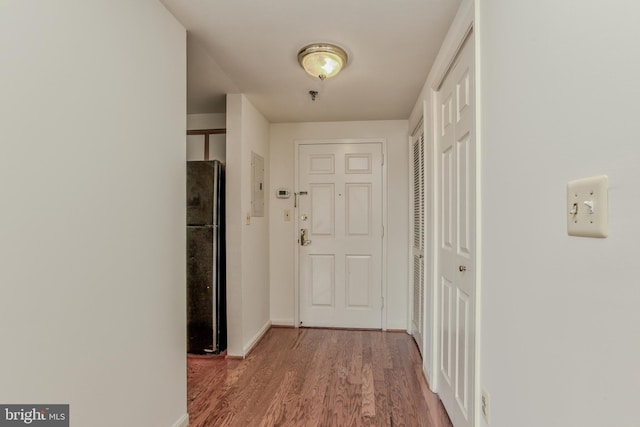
x,y
340,235
456,239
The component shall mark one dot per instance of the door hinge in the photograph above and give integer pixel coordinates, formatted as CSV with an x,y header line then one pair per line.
x,y
381,302
383,231
383,160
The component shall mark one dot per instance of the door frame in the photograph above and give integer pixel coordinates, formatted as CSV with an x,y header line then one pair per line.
x,y
296,190
464,24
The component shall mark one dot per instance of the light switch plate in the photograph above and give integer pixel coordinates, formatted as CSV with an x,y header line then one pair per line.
x,y
587,207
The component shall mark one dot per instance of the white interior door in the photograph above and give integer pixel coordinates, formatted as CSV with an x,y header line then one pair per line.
x,y
456,231
418,294
340,272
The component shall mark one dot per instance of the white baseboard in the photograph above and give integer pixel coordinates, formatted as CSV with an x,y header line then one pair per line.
x,y
183,421
282,322
427,377
253,341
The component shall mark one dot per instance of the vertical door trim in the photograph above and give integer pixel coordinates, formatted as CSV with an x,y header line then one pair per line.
x,y
296,189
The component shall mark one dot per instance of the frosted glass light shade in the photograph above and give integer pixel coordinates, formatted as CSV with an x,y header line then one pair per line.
x,y
322,60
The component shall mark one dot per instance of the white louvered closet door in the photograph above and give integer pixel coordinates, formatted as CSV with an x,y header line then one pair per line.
x,y
417,318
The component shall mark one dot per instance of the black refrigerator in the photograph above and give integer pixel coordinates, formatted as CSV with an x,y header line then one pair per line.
x,y
206,278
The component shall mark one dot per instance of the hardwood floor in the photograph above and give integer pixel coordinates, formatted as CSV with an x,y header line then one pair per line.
x,y
315,377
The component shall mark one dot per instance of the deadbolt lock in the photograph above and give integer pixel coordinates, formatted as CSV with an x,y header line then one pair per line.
x,y
304,241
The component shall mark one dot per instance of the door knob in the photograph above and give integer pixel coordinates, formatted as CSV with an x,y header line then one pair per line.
x,y
462,268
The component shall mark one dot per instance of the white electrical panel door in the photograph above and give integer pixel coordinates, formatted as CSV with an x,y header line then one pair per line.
x,y
340,235
257,185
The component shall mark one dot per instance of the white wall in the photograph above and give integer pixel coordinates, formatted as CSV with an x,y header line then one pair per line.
x,y
206,121
560,323
283,234
217,142
92,240
247,244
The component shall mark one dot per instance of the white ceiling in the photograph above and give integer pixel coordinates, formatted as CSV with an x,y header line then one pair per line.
x,y
251,46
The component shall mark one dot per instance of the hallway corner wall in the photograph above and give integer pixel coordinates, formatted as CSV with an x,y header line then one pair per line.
x,y
247,244
92,182
560,337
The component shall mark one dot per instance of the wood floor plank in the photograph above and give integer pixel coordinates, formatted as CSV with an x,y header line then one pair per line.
x,y
315,377
319,379
375,354
368,392
338,404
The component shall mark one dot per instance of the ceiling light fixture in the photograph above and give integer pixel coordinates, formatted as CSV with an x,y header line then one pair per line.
x,y
322,60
